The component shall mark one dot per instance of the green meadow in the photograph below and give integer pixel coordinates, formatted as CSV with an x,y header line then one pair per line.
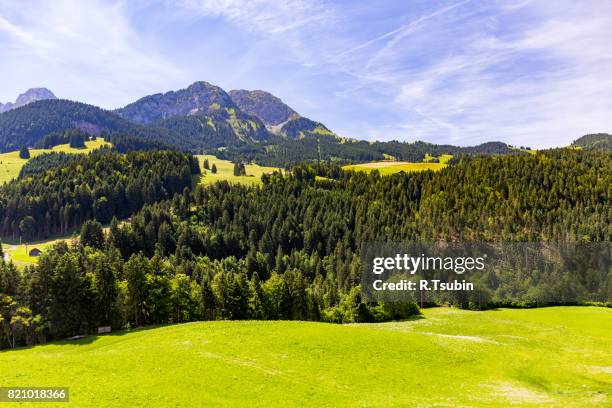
x,y
225,171
392,167
19,254
558,356
11,164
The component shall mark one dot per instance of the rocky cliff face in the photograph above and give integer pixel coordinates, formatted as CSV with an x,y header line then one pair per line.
x,y
200,98
29,96
271,110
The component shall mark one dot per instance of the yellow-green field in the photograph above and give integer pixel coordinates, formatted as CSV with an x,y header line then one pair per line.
x,y
11,164
387,167
225,171
554,357
443,158
391,167
530,151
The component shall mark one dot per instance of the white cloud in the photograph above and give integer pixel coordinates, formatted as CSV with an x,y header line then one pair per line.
x,y
83,50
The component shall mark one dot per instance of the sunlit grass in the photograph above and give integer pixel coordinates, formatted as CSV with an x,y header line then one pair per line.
x,y
225,171
557,356
19,254
392,167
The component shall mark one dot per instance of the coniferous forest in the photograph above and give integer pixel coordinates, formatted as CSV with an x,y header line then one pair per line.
x,y
99,186
288,249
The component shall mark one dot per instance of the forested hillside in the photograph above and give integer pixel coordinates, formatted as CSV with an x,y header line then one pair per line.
x,y
281,152
595,141
97,186
288,249
29,124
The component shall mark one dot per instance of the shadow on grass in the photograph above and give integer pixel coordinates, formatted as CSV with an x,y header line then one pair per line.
x,y
90,338
412,318
84,340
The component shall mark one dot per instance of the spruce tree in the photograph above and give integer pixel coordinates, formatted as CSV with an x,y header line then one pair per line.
x,y
24,153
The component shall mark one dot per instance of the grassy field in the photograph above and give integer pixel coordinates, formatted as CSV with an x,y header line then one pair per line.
x,y
19,254
443,158
225,171
557,356
11,164
530,151
391,167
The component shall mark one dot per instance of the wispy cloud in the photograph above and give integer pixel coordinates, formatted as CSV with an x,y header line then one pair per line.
x,y
264,16
85,50
460,71
528,74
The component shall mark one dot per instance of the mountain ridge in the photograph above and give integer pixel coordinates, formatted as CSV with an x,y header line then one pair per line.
x,y
269,108
200,97
203,118
29,96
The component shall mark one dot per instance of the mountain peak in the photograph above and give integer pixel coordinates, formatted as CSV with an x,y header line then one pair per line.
x,y
270,109
198,98
29,96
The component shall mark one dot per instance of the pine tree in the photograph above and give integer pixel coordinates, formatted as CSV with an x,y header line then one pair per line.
x,y
208,302
92,235
214,168
24,153
105,287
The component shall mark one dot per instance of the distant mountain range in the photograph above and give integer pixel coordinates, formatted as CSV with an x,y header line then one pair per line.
x,y
240,125
31,95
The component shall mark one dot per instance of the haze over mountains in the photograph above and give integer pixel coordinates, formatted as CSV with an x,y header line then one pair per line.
x,y
240,124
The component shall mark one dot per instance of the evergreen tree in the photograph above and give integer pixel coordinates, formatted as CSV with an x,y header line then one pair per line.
x,y
239,169
105,287
72,301
24,153
92,235
135,272
208,303
27,227
77,140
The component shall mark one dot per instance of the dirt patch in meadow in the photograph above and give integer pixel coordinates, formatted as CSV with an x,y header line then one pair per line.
x,y
516,394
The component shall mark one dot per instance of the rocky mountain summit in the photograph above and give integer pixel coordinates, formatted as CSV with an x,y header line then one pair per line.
x,y
29,96
200,98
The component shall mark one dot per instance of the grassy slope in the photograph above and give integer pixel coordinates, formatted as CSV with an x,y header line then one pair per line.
x,y
443,158
554,356
11,164
19,254
387,167
530,151
391,167
225,171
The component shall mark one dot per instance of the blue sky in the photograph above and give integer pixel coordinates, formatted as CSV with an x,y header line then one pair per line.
x,y
535,73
